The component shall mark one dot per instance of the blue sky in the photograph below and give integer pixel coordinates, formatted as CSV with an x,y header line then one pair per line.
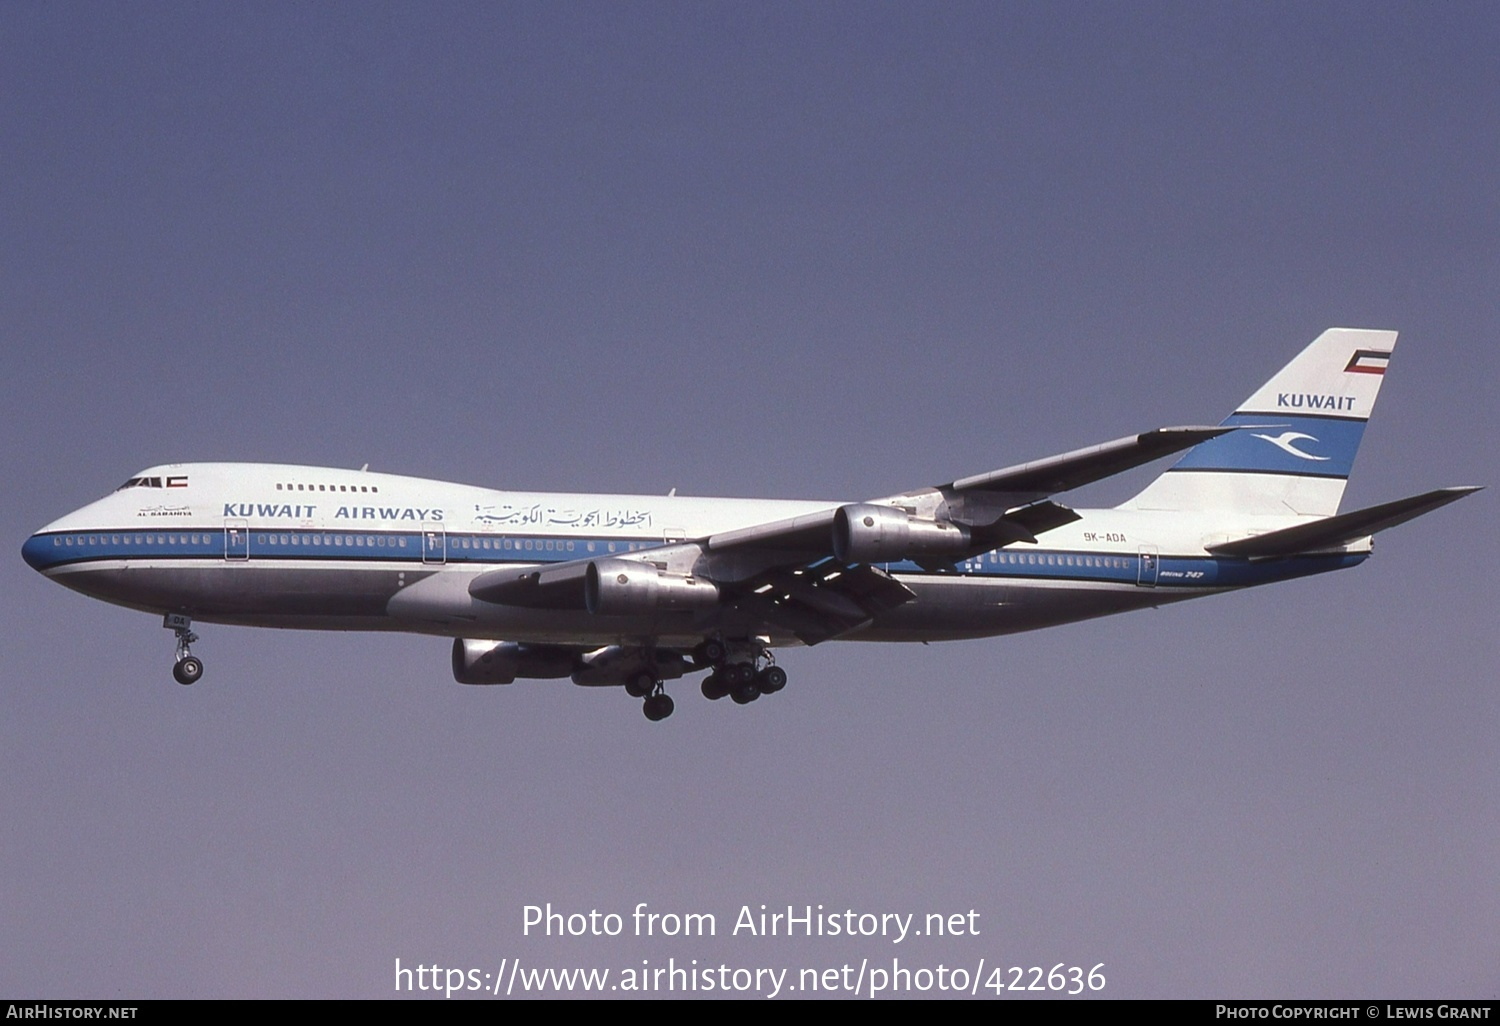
x,y
789,250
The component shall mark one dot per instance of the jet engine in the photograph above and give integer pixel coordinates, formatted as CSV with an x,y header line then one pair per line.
x,y
620,587
866,533
500,662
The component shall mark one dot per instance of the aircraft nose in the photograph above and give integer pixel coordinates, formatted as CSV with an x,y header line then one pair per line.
x,y
38,552
48,548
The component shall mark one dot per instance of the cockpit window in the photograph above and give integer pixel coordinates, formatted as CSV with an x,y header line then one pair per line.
x,y
140,482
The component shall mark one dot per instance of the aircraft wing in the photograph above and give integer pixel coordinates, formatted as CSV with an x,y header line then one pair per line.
x,y
821,601
819,575
814,597
1041,478
1017,489
808,533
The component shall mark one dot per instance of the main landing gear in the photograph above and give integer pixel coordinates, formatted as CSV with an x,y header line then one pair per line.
x,y
188,667
658,705
741,670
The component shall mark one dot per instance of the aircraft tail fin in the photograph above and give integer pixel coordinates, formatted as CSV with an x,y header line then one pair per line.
x,y
1297,436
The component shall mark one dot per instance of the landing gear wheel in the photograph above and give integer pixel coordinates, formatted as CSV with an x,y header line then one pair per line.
x,y
187,670
710,652
738,674
713,687
658,707
771,680
744,694
639,685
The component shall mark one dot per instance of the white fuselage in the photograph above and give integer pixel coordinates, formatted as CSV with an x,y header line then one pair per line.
x,y
319,548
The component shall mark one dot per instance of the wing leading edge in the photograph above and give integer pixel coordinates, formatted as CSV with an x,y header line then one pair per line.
x,y
1070,470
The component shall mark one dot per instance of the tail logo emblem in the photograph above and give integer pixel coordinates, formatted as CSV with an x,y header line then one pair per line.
x,y
1368,361
1285,441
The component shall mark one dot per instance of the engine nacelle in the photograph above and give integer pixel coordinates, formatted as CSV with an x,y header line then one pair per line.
x,y
500,662
622,587
866,533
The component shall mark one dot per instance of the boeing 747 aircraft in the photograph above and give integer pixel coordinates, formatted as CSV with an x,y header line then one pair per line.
x,y
634,590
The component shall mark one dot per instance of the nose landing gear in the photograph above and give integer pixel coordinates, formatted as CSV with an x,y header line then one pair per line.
x,y
188,667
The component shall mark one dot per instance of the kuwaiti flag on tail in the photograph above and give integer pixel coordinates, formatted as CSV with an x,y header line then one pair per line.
x,y
1368,361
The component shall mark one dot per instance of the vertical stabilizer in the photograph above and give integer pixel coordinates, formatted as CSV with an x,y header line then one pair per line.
x,y
1307,424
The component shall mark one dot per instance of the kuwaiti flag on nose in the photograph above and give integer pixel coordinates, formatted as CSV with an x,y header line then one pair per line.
x,y
1368,361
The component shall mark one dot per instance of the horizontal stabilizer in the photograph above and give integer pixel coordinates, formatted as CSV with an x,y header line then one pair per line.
x,y
1332,532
